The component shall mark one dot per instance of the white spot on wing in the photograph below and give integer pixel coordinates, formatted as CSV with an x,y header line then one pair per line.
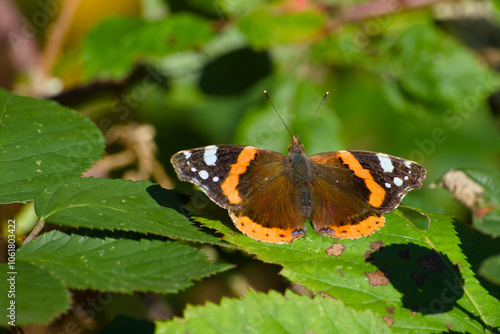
x,y
193,169
406,177
398,181
203,174
387,185
408,163
187,154
215,179
385,162
210,155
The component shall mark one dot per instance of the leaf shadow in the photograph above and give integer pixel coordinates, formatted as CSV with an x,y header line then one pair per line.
x,y
193,203
429,282
127,324
113,234
167,198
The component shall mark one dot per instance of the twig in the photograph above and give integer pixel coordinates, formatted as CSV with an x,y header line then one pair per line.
x,y
34,232
382,7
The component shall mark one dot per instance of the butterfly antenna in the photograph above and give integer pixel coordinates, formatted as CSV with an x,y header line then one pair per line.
x,y
308,125
267,95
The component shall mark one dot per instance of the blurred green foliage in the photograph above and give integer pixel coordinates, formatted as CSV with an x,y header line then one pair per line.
x,y
400,82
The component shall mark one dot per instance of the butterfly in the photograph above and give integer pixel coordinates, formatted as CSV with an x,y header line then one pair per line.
x,y
270,196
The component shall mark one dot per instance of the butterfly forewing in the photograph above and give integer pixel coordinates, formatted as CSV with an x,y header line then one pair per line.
x,y
208,167
394,176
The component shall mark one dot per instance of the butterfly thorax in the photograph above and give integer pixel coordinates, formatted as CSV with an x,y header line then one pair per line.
x,y
299,165
299,162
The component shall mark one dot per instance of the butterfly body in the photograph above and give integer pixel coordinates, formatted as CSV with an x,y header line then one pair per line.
x,y
270,196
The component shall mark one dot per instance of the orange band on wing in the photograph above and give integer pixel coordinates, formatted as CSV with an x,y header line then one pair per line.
x,y
258,232
362,229
377,193
240,167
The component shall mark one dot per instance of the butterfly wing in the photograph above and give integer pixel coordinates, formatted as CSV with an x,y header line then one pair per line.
x,y
254,184
352,190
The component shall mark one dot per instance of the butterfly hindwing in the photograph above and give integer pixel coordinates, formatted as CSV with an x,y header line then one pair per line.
x,y
274,215
341,214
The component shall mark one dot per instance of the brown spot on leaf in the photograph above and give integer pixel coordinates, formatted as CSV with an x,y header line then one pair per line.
x,y
390,310
405,254
376,245
388,320
414,313
336,249
378,278
419,279
448,325
432,263
368,257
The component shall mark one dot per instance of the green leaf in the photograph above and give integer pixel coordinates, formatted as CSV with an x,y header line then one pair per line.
x,y
487,213
266,27
489,180
119,265
42,143
421,278
491,269
118,205
134,39
274,313
33,287
479,190
53,262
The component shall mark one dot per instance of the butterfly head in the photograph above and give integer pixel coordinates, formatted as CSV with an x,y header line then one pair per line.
x,y
295,146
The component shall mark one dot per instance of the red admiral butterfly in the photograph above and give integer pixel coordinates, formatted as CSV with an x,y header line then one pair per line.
x,y
270,196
